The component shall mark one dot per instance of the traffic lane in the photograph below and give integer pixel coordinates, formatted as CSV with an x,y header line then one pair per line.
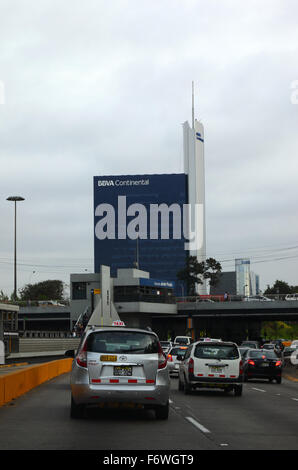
x,y
264,417
40,420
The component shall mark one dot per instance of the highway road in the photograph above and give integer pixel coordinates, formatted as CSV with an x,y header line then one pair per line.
x,y
264,417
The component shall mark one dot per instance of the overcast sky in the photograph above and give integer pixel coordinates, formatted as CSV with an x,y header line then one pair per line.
x,y
100,88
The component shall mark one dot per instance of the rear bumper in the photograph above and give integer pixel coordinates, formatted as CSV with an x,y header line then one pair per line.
x,y
173,368
84,392
200,381
263,374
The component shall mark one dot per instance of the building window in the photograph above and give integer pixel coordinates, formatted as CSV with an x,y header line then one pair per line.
x,y
79,291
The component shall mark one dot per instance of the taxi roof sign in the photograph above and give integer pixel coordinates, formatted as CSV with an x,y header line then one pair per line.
x,y
118,323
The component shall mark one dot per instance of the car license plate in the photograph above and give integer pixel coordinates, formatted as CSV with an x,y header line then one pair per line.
x,y
265,364
108,358
216,369
122,371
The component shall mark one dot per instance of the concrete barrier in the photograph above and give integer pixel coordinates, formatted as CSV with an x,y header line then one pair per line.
x,y
19,382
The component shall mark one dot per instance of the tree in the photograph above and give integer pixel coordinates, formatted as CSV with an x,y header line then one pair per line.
x,y
195,272
279,287
3,296
45,290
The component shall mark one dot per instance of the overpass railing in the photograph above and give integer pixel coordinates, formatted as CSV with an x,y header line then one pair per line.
x,y
231,298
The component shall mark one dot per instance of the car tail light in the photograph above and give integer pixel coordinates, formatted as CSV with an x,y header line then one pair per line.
x,y
162,360
251,362
170,357
190,366
82,356
278,363
240,368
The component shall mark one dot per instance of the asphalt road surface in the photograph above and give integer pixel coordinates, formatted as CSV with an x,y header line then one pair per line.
x,y
264,417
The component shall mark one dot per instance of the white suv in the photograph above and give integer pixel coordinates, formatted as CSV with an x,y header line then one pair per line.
x,y
211,365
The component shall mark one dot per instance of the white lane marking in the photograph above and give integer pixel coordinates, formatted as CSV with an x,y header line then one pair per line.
x,y
197,425
170,401
296,399
258,389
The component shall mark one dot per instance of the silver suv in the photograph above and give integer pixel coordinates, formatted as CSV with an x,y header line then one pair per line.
x,y
211,364
120,365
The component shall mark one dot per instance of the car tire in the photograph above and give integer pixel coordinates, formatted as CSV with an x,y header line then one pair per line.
x,y
278,380
238,390
76,411
180,385
162,411
187,388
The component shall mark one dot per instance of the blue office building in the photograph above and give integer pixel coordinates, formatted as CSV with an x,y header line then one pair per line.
x,y
138,222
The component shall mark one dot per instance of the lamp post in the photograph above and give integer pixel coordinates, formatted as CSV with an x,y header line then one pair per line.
x,y
15,199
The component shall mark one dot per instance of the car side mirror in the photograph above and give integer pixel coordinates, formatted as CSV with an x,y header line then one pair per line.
x,y
70,353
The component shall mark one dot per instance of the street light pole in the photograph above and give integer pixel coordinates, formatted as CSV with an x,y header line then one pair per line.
x,y
15,199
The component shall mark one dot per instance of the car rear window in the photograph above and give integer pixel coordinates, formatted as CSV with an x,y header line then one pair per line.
x,y
216,351
176,351
267,353
122,342
182,340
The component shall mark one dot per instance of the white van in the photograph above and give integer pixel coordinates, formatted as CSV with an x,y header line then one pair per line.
x,y
211,365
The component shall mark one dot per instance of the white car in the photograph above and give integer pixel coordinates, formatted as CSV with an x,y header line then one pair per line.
x,y
122,366
166,346
174,357
257,298
183,340
291,297
211,365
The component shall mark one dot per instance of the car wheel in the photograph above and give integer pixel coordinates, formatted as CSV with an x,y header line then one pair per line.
x,y
180,385
278,380
238,390
187,388
76,411
162,411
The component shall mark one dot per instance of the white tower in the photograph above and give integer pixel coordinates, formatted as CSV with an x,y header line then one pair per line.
x,y
194,167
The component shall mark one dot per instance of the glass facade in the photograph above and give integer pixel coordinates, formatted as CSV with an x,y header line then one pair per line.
x,y
242,267
138,222
247,282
